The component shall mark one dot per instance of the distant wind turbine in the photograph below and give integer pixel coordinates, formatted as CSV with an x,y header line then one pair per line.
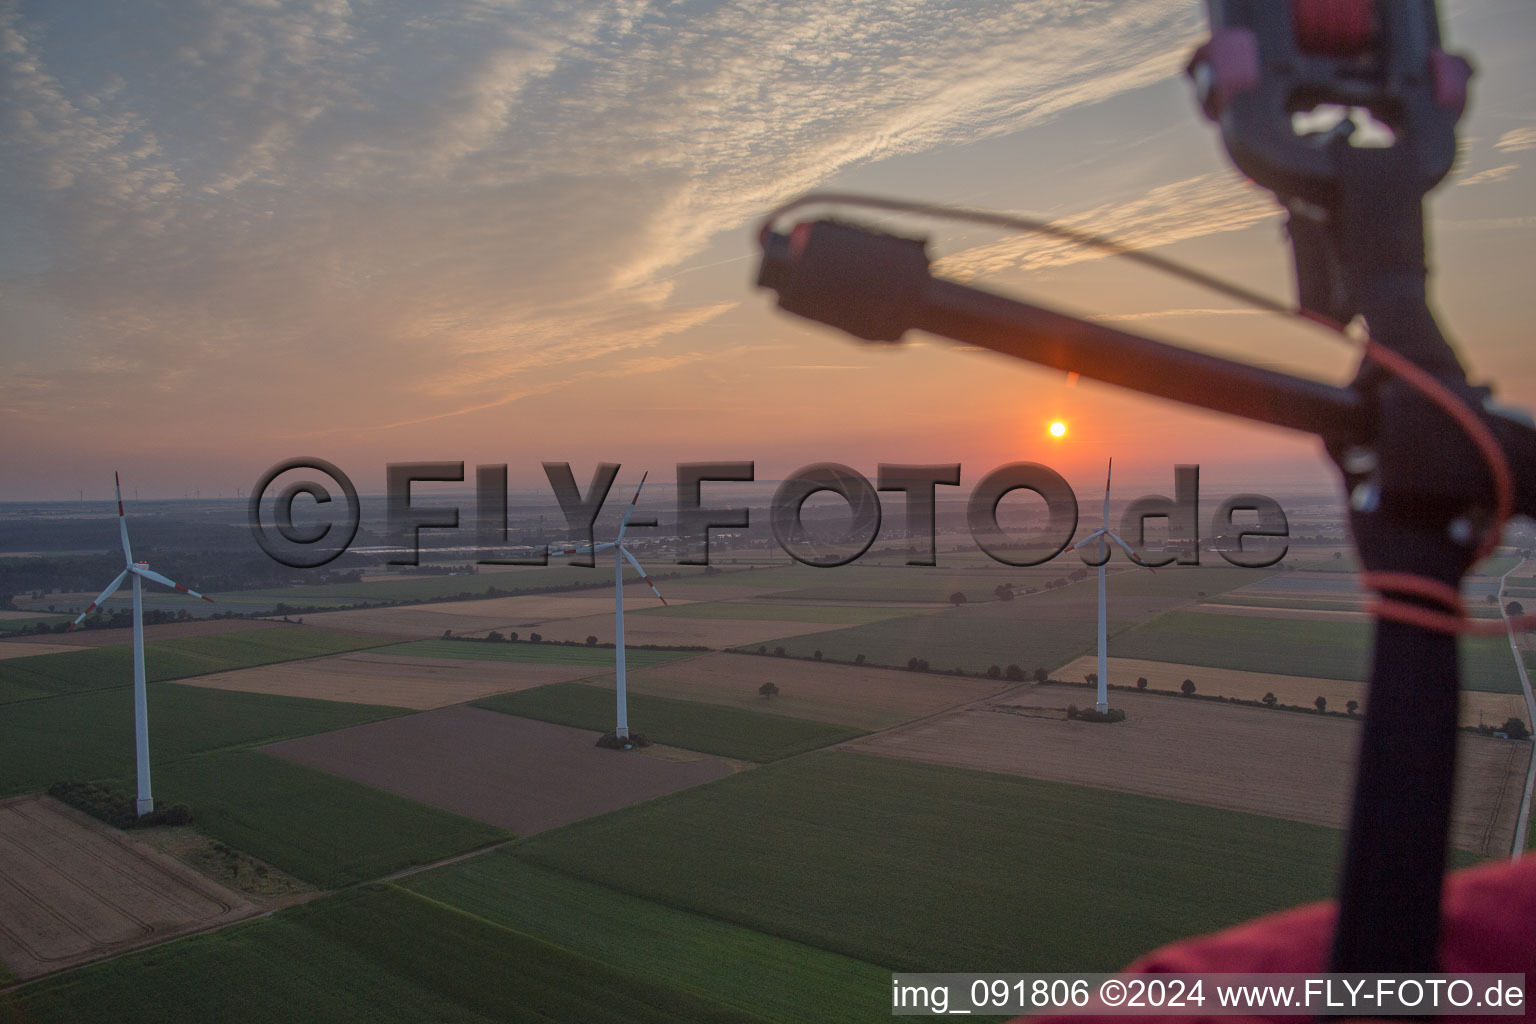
x,y
139,571
1100,535
620,553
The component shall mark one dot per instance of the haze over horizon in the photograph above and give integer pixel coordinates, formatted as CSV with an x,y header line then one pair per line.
x,y
512,233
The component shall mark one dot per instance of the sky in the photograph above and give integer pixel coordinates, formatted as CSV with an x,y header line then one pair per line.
x,y
498,232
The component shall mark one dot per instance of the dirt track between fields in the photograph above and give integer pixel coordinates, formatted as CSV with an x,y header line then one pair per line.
x,y
73,890
1285,764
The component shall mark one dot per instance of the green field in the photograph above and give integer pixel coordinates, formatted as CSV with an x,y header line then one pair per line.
x,y
53,621
778,979
1296,647
921,867
537,654
409,590
708,728
95,668
366,955
90,735
786,612
315,826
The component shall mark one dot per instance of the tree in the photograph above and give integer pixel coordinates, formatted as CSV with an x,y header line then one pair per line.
x,y
591,640
816,655
957,599
858,659
1514,608
1351,706
1187,687
493,637
512,637
768,690
1338,554
778,652
1269,700
1013,673
994,671
1141,682
1492,599
447,633
1003,592
1515,729
1322,703
1092,678
1041,675
535,638
912,664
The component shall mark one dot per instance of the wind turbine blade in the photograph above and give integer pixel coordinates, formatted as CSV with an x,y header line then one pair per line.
x,y
1095,535
631,510
150,574
104,595
122,519
1107,473
1129,551
641,570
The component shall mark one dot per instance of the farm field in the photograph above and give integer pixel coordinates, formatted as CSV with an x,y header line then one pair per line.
x,y
74,890
320,828
863,698
753,971
921,867
15,650
513,580
1477,706
843,614
111,667
358,957
514,773
163,631
1328,650
524,653
533,609
757,735
394,679
85,736
683,632
1278,763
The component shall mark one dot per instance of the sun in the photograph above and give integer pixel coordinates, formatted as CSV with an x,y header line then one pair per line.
x,y
1058,429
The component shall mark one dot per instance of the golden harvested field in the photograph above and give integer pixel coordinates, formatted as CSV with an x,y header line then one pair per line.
x,y
1279,763
865,698
164,631
73,890
685,632
1493,708
397,680
15,650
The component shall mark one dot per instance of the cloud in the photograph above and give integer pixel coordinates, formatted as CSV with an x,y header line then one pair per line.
x,y
1492,174
454,204
1516,140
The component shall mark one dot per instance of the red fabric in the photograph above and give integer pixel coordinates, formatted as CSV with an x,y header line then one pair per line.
x,y
1488,926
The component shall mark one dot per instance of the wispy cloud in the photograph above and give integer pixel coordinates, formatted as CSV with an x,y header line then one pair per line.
x,y
1492,174
1516,140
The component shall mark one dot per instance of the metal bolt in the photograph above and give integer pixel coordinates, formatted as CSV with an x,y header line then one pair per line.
x,y
1359,460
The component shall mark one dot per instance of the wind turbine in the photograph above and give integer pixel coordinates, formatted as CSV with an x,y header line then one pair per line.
x,y
1101,535
620,553
139,571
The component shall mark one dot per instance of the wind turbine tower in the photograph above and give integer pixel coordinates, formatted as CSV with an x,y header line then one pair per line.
x,y
1101,536
620,555
140,571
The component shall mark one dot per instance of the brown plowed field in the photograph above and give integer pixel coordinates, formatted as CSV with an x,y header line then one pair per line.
x,y
15,650
73,890
512,772
866,698
1283,764
1477,706
165,631
397,680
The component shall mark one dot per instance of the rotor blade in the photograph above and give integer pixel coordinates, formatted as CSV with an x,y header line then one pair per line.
x,y
1095,535
1107,473
122,520
104,595
150,574
631,510
641,570
1129,551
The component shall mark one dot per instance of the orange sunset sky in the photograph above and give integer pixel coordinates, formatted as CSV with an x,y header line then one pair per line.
x,y
231,233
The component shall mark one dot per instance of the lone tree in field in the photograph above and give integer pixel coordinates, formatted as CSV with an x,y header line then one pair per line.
x,y
1269,700
493,637
535,638
1014,673
512,637
447,634
1092,678
858,659
1041,675
994,671
1141,682
1351,706
591,640
1514,608
957,599
1003,592
1321,703
816,655
1187,687
768,690
1515,729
